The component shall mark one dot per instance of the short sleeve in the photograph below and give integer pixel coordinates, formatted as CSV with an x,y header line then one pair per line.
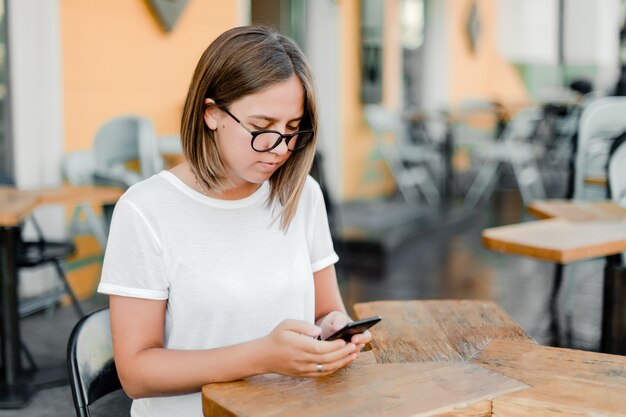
x,y
321,251
133,263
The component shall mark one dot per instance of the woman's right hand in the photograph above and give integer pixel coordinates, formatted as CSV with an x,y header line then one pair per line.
x,y
292,349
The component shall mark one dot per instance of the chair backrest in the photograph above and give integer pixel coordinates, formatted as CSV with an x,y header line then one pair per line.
x,y
79,167
123,139
617,175
617,179
601,121
90,361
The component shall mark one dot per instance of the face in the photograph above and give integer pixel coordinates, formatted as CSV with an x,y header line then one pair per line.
x,y
279,107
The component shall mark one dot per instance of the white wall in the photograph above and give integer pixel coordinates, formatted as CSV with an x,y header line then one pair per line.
x,y
35,56
322,50
527,33
36,110
435,85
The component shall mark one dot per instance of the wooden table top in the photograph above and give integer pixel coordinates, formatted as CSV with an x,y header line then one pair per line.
x,y
564,382
509,375
573,231
558,240
578,211
363,389
441,330
16,204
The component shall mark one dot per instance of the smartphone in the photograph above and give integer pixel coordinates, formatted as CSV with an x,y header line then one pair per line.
x,y
353,328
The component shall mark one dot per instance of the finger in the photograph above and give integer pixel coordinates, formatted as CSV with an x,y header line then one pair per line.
x,y
318,347
361,338
330,368
302,327
330,356
340,321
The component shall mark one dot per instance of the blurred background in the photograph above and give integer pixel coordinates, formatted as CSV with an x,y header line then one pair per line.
x,y
438,119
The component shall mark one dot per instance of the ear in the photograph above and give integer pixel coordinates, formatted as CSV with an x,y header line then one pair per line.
x,y
211,113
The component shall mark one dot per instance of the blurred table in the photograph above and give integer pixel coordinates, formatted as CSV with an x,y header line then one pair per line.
x,y
472,360
574,231
16,384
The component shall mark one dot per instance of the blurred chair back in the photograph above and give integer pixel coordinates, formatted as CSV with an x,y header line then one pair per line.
x,y
513,147
407,163
617,178
90,361
601,121
121,140
79,168
617,175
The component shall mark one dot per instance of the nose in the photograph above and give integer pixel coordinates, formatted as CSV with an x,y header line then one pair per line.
x,y
281,149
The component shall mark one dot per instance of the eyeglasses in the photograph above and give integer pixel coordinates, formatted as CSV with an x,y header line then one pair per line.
x,y
266,140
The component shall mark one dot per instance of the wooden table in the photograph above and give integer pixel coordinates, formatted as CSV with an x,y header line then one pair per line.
x,y
17,385
439,358
574,231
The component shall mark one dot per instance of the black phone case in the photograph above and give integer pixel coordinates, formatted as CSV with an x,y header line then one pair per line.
x,y
353,328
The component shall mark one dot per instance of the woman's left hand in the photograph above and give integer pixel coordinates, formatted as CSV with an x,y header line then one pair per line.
x,y
334,321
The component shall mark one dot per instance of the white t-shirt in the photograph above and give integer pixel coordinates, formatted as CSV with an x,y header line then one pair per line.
x,y
228,271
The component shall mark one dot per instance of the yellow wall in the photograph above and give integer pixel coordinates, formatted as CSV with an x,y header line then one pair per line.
x,y
364,174
116,59
484,73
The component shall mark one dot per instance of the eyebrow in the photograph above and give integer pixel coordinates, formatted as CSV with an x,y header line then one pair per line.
x,y
272,119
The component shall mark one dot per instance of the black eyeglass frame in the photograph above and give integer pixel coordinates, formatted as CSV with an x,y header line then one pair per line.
x,y
281,136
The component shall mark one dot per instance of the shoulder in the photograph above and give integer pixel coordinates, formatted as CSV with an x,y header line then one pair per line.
x,y
146,192
311,196
311,188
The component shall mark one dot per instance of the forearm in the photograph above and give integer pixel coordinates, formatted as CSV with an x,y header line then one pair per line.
x,y
160,372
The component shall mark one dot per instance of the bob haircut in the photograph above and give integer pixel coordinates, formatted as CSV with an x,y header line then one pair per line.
x,y
240,62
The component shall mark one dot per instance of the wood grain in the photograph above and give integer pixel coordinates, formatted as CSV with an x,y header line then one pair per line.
x,y
577,210
564,381
436,330
80,194
558,240
409,389
16,205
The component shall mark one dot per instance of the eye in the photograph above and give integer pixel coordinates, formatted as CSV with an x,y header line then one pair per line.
x,y
293,128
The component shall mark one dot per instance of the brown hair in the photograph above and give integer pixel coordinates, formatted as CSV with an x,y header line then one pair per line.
x,y
240,62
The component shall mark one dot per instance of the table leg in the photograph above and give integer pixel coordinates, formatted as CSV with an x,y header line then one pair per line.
x,y
15,387
554,305
613,339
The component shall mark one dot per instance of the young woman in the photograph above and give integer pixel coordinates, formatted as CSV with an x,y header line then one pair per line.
x,y
223,267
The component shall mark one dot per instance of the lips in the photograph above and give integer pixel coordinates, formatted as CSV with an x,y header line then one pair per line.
x,y
269,165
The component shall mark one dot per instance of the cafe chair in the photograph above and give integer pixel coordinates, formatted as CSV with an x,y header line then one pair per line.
x,y
514,148
38,252
122,141
600,123
79,168
408,163
90,362
617,178
34,253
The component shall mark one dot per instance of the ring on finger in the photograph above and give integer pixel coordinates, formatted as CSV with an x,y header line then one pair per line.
x,y
319,368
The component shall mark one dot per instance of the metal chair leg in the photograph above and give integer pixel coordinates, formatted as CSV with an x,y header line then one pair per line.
x,y
68,289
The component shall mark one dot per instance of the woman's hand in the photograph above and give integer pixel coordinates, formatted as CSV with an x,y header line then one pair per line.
x,y
335,320
292,349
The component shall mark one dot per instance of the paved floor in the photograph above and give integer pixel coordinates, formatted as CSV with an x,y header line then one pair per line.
x,y
441,258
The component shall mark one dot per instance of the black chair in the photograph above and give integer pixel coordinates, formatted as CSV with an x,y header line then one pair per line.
x,y
41,252
90,361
